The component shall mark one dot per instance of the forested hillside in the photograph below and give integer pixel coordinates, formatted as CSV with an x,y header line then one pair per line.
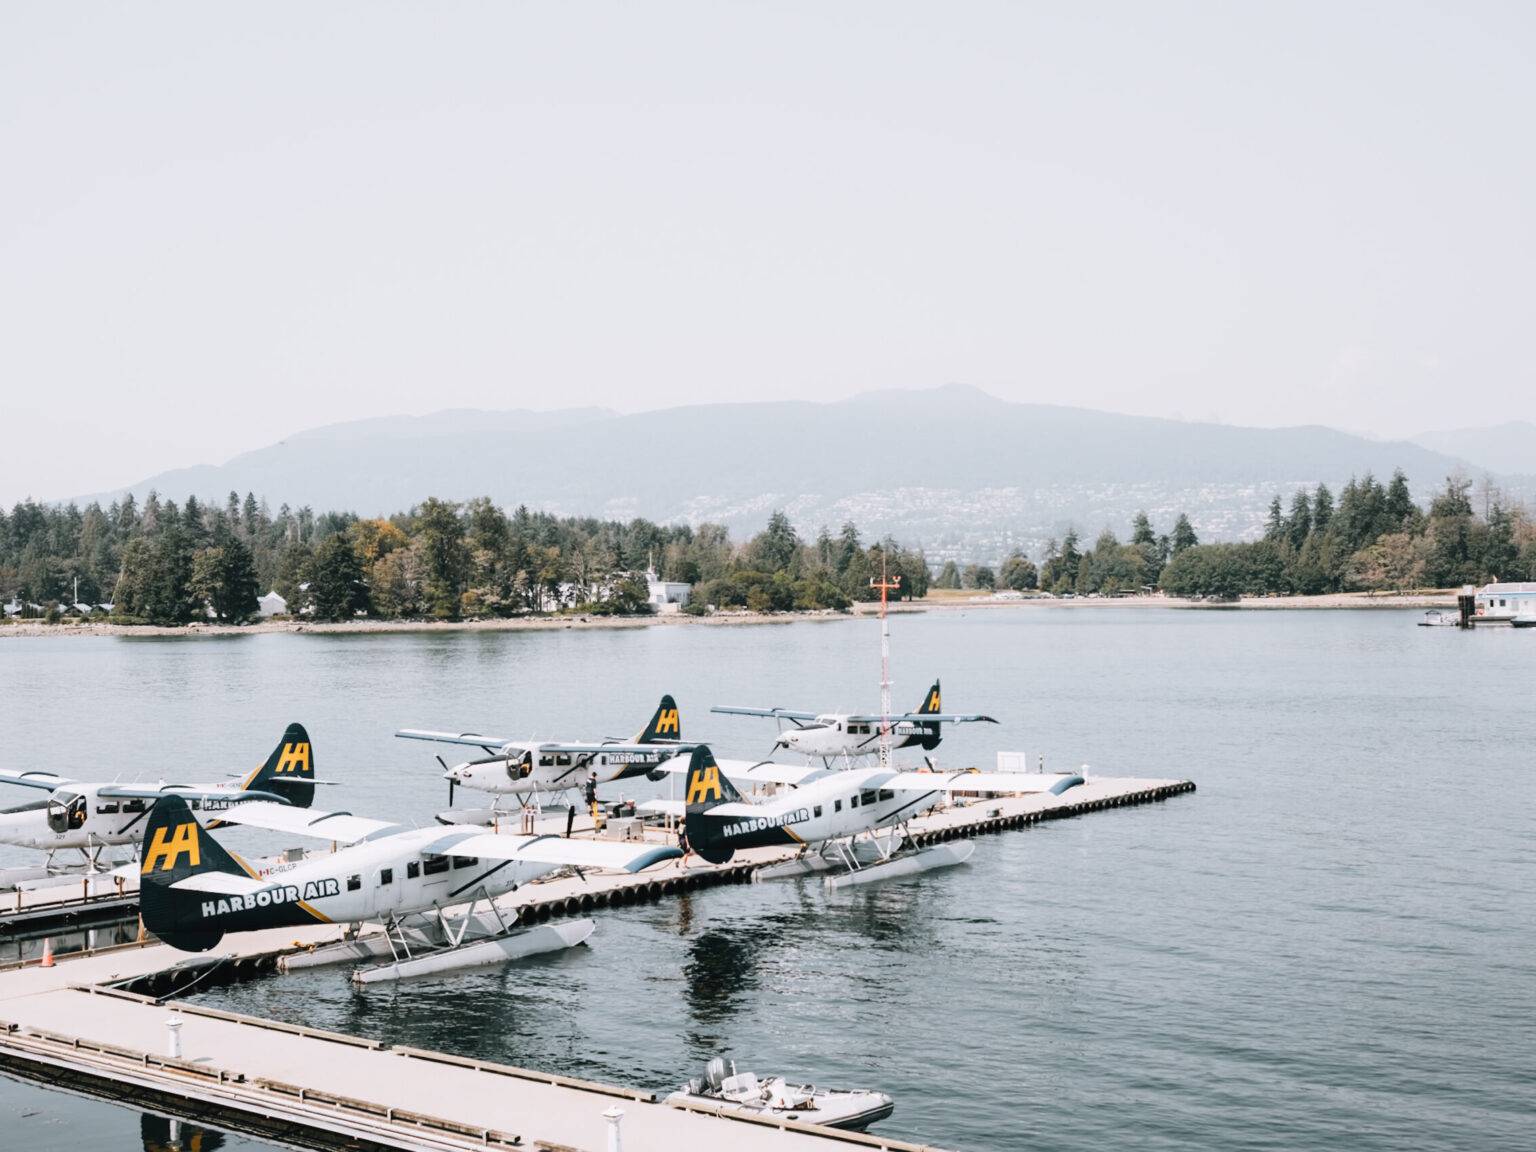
x,y
163,563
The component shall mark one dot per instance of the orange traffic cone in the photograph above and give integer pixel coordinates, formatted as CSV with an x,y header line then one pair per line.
x,y
47,952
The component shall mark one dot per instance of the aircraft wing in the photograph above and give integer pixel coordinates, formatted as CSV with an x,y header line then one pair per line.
x,y
342,827
758,771
473,739
776,713
620,748
1019,782
676,808
145,792
554,850
45,780
925,718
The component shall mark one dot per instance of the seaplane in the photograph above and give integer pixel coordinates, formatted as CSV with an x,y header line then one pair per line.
x,y
850,823
90,817
830,736
530,769
426,886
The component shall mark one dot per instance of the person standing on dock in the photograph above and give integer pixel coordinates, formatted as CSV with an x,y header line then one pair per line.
x,y
592,797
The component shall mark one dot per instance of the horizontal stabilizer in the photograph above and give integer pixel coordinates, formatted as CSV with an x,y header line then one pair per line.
x,y
220,884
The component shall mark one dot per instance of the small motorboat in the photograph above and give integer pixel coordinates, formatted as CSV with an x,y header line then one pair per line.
x,y
1435,618
723,1088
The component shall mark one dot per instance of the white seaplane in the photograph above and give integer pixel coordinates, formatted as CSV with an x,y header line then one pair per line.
x,y
90,817
849,823
192,891
828,736
531,769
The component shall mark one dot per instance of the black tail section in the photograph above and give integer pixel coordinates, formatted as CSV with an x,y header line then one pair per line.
x,y
666,727
928,739
290,771
176,847
707,788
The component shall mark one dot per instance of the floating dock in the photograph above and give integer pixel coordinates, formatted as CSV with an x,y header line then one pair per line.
x,y
94,1021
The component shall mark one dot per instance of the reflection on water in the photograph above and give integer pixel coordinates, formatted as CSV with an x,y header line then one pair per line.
x,y
161,1134
1328,945
38,1118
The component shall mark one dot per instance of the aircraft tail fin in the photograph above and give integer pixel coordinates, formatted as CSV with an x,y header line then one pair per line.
x,y
930,735
289,771
666,726
708,788
176,847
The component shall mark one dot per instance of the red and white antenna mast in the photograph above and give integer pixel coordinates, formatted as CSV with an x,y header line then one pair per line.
x,y
885,584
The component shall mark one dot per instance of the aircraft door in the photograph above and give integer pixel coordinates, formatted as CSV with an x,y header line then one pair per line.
x,y
520,769
66,812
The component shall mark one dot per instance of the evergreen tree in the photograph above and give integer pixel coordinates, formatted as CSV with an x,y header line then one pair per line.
x,y
336,588
1183,534
1018,573
1322,509
1298,525
1274,527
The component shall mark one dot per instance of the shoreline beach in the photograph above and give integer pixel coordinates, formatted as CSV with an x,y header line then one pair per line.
x,y
1330,601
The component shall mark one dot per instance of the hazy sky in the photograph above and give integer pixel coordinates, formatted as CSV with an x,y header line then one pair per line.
x,y
220,223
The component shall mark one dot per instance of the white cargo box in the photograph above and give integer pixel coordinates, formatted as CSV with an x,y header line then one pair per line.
x,y
1013,762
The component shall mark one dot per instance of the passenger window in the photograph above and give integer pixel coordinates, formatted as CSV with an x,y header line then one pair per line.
x,y
133,805
867,797
817,810
887,794
436,864
464,861
413,869
354,883
563,760
106,809
386,875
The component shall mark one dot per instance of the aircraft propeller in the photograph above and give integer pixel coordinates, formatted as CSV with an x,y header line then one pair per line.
x,y
451,780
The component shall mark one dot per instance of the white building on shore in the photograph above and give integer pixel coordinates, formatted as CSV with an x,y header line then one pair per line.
x,y
271,605
665,595
1503,601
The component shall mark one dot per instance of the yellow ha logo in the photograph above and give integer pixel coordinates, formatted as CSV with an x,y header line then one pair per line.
x,y
666,721
933,702
168,846
704,785
295,758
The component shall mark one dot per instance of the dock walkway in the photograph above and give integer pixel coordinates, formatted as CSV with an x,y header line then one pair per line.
x,y
77,1024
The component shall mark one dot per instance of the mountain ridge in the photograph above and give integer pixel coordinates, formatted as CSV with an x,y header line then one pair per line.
x,y
967,465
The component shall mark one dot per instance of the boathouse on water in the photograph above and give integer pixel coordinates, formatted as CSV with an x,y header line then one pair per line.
x,y
1507,600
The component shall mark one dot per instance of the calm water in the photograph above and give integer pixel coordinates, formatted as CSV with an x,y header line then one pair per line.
x,y
1331,943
